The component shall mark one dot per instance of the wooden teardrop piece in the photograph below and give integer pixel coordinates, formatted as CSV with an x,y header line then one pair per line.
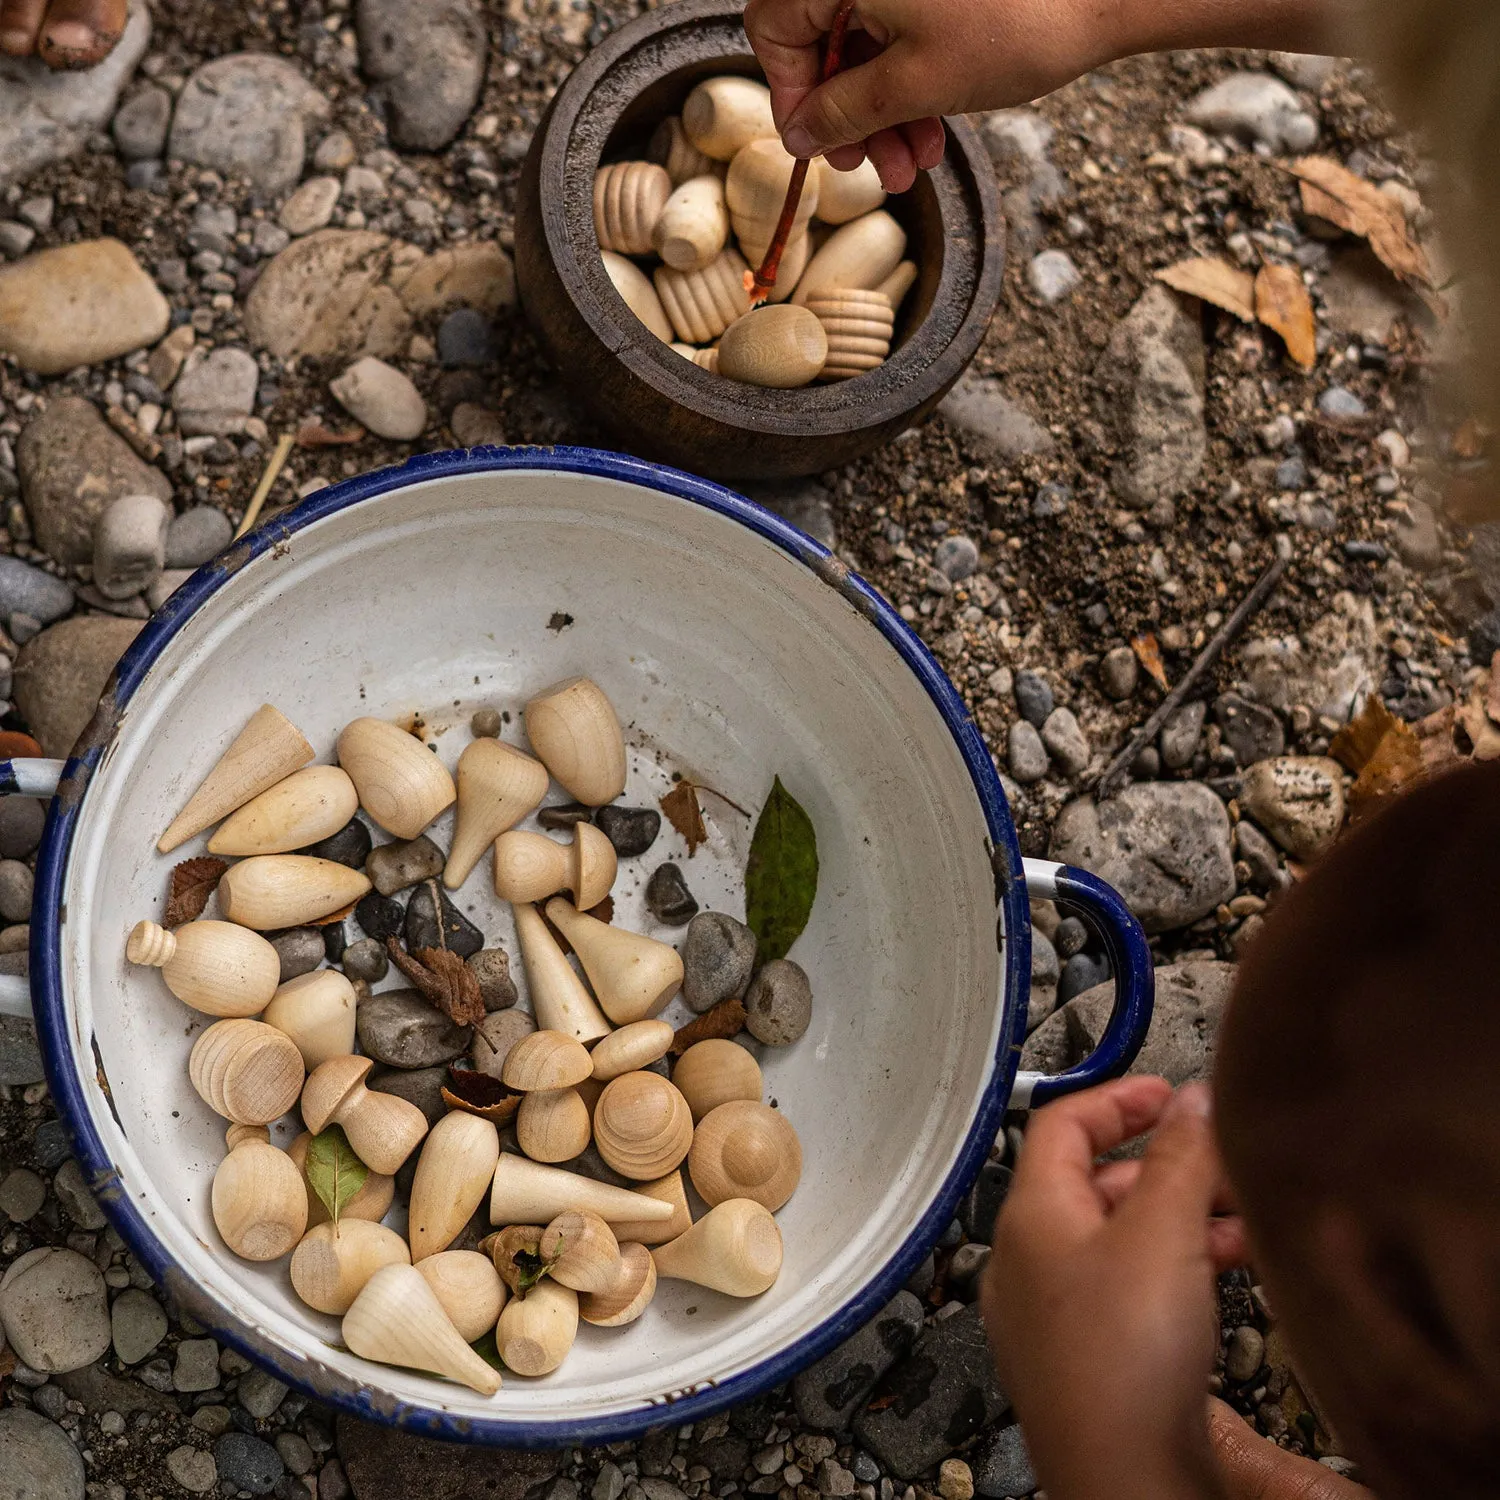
x,y
272,891
469,1288
454,1173
633,976
220,968
734,1248
401,783
574,731
560,1000
536,1331
498,785
334,1262
311,804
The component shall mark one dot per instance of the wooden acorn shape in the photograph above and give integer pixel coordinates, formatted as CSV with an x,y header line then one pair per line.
x,y
246,1071
669,1190
633,976
498,785
271,891
317,1011
553,1125
628,200
536,1331
546,1060
311,804
581,1251
702,304
899,283
713,1072
526,1192
397,1320
642,1126
861,255
258,1201
734,1248
638,293
745,1149
269,748
220,968
454,1173
859,326
401,783
334,1262
635,1046
573,729
778,347
530,867
671,149
469,1288
843,196
693,226
383,1129
723,115
755,191
372,1201
559,999
627,1296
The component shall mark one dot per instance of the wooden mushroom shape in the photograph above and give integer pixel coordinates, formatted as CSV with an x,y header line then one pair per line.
x,y
401,783
755,192
860,254
246,1071
671,148
529,867
638,293
847,195
581,1251
267,749
780,348
372,1201
258,1202
334,1261
527,1192
272,891
627,1296
220,968
559,998
573,729
702,304
397,1320
498,785
628,199
713,1072
734,1248
545,1060
668,1190
633,976
632,1047
469,1288
311,804
454,1173
642,1126
383,1129
536,1331
745,1149
724,114
317,1011
693,226
553,1125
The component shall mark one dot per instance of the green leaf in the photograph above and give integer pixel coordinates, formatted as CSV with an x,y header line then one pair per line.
x,y
781,879
488,1350
532,1268
334,1172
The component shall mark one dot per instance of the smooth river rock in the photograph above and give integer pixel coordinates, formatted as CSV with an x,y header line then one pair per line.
x,y
427,65
1298,800
60,675
38,1460
54,1310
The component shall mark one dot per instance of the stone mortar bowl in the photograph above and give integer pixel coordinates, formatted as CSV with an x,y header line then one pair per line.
x,y
655,401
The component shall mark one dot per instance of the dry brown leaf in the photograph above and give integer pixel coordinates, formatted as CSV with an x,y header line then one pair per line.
x,y
1148,653
683,813
1435,736
193,882
1395,763
1333,192
480,1094
1282,304
443,978
1215,281
725,1020
1358,740
315,435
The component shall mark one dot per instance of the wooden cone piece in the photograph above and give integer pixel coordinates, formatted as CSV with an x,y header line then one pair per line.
x,y
553,1125
469,1288
526,1192
258,1201
693,226
246,1071
536,1331
638,293
637,1045
734,1248
220,968
545,1060
581,1250
454,1173
498,785
316,1011
559,1000
401,783
529,867
575,733
859,326
755,192
628,1296
628,199
724,114
702,304
371,1202
847,195
745,1149
311,804
671,149
267,749
669,1190
642,1126
272,891
862,254
713,1072
633,976
397,1320
332,1265
383,1130
780,348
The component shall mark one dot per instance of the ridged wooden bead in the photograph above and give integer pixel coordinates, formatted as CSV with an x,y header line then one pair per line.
x,y
638,293
724,114
778,347
258,1202
246,1071
628,199
755,191
401,783
745,1149
642,1126
311,804
693,226
702,304
859,326
219,968
671,149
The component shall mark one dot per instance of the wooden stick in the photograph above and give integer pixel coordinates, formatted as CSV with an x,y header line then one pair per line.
x,y
273,469
1119,768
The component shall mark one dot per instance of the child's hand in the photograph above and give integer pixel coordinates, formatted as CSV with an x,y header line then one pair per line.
x,y
1099,1297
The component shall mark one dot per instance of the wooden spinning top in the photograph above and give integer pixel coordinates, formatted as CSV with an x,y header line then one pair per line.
x,y
309,805
546,1060
219,968
498,785
530,866
859,326
780,348
536,1331
453,1175
734,1248
334,1262
628,1294
383,1129
642,1126
628,199
745,1149
574,731
401,783
469,1288
713,1072
246,1071
258,1201
272,891
633,976
582,1251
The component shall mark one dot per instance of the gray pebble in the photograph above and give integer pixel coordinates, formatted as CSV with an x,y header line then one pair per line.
x,y
54,1310
403,1030
466,340
1119,673
15,890
193,1469
486,723
1033,697
1291,474
349,846
1071,937
15,238
422,931
496,1035
197,1367
1027,754
77,1199
366,960
23,627
140,124
213,1419
51,1400
1180,735
295,1453
1244,1354
632,830
1053,276
1338,402
1065,742
248,1463
300,950
778,1004
38,1460
491,967
565,815
420,1086
21,822
137,1325
1259,853
28,590
1003,1467
968,1264
1050,500
260,1394
718,958
1147,765
956,558
22,1193
668,897
394,867
196,536
1081,972
130,542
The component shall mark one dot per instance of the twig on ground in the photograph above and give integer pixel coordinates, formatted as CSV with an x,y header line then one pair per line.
x,y
273,469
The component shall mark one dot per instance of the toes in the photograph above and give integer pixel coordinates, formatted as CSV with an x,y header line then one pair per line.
x,y
80,33
20,20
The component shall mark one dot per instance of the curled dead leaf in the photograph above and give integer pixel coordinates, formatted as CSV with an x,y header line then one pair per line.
x,y
684,814
1215,281
725,1020
1358,740
315,435
1282,304
1331,191
192,883
1395,763
443,978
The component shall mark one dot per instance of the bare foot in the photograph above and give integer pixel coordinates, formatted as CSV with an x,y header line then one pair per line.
x,y
1254,1468
63,33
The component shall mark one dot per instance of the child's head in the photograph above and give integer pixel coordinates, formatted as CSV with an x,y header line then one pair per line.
x,y
1358,1106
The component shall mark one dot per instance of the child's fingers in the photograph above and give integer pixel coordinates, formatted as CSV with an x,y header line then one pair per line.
x,y
1181,1174
845,158
1251,1467
1115,1181
855,104
892,157
787,36
928,141
1228,1244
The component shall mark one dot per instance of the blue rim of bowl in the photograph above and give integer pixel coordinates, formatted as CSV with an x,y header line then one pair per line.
x,y
663,1409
